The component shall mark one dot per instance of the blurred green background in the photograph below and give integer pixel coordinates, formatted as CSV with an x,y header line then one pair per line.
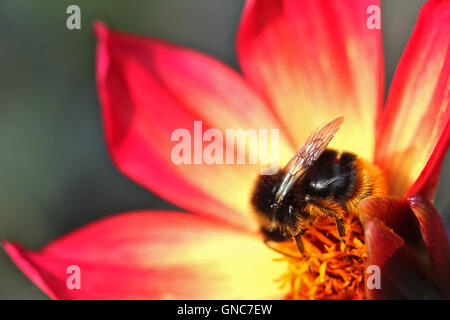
x,y
55,174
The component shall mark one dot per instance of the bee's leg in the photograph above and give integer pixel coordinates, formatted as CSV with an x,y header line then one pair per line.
x,y
341,230
299,243
340,226
335,213
295,231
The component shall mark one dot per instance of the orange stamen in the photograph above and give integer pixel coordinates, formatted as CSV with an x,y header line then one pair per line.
x,y
334,267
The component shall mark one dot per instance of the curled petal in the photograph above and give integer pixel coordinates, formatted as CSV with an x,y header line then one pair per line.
x,y
394,213
403,273
148,89
381,241
435,238
381,244
414,131
153,255
315,61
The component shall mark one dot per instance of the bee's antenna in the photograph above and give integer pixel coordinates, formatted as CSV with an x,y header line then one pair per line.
x,y
266,242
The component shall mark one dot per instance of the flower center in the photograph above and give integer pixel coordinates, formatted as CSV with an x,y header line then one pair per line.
x,y
333,267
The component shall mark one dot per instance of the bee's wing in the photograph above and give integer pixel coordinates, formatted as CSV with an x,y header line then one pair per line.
x,y
314,147
307,155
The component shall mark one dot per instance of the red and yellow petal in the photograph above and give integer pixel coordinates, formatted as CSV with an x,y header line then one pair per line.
x,y
149,88
154,255
414,131
315,61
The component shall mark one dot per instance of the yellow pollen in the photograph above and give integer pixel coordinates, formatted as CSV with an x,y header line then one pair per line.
x,y
333,268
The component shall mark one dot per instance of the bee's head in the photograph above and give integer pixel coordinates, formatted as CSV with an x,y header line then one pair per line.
x,y
273,214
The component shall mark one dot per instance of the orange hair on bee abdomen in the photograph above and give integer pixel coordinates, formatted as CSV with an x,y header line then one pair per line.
x,y
369,181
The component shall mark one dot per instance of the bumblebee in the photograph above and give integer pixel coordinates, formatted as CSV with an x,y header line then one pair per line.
x,y
317,183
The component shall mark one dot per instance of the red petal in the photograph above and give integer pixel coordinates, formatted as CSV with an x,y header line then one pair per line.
x,y
394,213
381,244
403,274
153,255
315,61
435,238
381,241
148,89
414,132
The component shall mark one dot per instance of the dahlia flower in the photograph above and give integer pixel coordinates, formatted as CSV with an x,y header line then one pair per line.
x,y
302,63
